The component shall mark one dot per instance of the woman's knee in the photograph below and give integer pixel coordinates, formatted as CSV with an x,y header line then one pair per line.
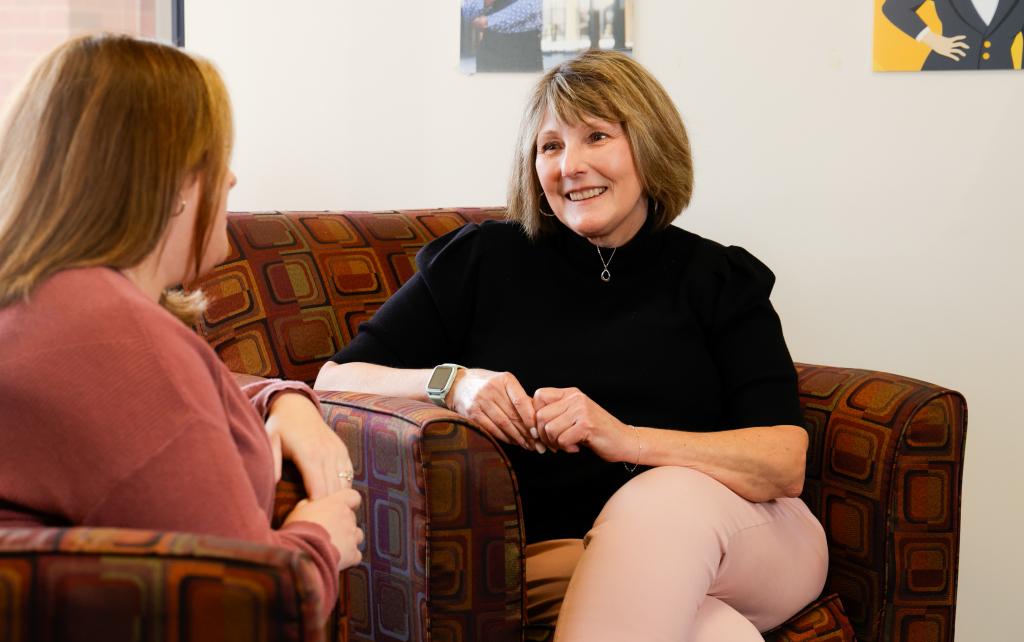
x,y
770,572
666,495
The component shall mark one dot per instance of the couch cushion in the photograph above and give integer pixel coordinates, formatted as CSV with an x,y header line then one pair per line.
x,y
823,619
296,285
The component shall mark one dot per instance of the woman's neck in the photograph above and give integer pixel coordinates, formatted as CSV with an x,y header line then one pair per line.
x,y
621,235
146,276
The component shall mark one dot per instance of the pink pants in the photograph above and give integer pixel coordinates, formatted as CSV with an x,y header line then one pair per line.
x,y
676,556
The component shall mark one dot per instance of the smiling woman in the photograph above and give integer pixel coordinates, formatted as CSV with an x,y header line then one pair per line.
x,y
636,374
589,179
639,120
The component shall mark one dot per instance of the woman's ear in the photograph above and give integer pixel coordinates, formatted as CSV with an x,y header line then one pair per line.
x,y
189,194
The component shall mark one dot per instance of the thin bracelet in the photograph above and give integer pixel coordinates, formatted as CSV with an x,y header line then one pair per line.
x,y
639,451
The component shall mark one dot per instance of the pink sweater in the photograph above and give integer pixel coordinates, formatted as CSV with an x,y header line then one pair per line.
x,y
113,413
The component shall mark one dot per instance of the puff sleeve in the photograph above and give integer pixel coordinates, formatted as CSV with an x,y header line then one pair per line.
x,y
745,335
424,323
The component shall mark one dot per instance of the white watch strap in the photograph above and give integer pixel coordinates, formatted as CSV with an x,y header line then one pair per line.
x,y
439,394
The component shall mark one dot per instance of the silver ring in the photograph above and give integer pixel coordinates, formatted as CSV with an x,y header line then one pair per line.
x,y
347,475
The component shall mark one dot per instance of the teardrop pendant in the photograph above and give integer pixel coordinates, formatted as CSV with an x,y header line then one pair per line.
x,y
606,276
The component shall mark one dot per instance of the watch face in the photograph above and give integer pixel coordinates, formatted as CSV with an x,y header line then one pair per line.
x,y
439,378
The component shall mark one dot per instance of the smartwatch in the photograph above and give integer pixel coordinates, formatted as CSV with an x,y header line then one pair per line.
x,y
440,383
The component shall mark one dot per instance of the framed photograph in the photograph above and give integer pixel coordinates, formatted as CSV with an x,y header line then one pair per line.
x,y
533,35
178,22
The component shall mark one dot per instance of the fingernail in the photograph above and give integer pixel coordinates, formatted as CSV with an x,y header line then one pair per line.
x,y
533,432
540,448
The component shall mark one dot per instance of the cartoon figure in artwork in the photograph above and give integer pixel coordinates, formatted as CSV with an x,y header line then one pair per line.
x,y
976,34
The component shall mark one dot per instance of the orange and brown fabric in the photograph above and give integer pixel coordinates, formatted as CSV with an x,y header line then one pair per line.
x,y
884,475
68,584
884,466
296,285
444,550
824,620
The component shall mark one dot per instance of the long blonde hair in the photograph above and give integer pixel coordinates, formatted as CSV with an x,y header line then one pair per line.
x,y
613,87
94,151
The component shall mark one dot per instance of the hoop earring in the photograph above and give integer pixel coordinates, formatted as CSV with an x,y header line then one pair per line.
x,y
542,203
181,209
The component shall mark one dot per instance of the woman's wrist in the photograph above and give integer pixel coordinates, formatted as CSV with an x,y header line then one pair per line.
x,y
633,448
285,400
449,400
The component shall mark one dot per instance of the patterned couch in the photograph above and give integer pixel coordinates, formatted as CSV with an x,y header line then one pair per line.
x,y
443,560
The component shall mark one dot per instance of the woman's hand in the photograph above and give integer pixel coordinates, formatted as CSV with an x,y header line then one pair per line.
x,y
298,433
497,402
567,419
336,513
953,48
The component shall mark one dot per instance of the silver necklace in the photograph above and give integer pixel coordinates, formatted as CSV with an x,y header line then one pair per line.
x,y
606,276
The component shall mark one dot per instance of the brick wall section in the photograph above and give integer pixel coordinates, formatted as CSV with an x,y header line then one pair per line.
x,y
31,28
28,29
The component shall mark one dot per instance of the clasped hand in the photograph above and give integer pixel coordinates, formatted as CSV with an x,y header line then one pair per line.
x,y
297,432
552,419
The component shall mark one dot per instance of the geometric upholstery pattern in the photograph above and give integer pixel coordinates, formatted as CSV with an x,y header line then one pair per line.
x,y
822,620
884,466
884,475
474,551
71,584
296,286
461,560
443,557
447,564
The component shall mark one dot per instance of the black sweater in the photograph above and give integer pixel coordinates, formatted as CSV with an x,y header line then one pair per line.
x,y
682,336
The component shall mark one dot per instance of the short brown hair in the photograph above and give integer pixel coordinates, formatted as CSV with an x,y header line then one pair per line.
x,y
613,87
94,151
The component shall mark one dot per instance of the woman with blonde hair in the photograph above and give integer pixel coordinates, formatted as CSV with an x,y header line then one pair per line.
x,y
113,186
635,373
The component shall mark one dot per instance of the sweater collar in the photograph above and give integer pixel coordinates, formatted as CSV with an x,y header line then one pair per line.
x,y
628,258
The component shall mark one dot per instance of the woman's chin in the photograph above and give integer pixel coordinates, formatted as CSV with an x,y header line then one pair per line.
x,y
584,223
213,258
590,231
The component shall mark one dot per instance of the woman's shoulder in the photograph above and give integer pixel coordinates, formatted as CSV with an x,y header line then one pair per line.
x,y
92,304
98,311
88,333
716,263
721,282
109,302
471,242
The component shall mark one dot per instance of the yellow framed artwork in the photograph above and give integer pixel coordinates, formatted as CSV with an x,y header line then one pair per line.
x,y
935,35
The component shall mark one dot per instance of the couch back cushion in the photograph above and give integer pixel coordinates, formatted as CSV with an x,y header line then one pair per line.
x,y
296,285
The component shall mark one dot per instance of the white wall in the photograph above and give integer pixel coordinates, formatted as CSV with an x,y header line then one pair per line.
x,y
889,205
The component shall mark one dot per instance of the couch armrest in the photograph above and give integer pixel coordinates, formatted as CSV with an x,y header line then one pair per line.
x,y
444,548
884,473
120,584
